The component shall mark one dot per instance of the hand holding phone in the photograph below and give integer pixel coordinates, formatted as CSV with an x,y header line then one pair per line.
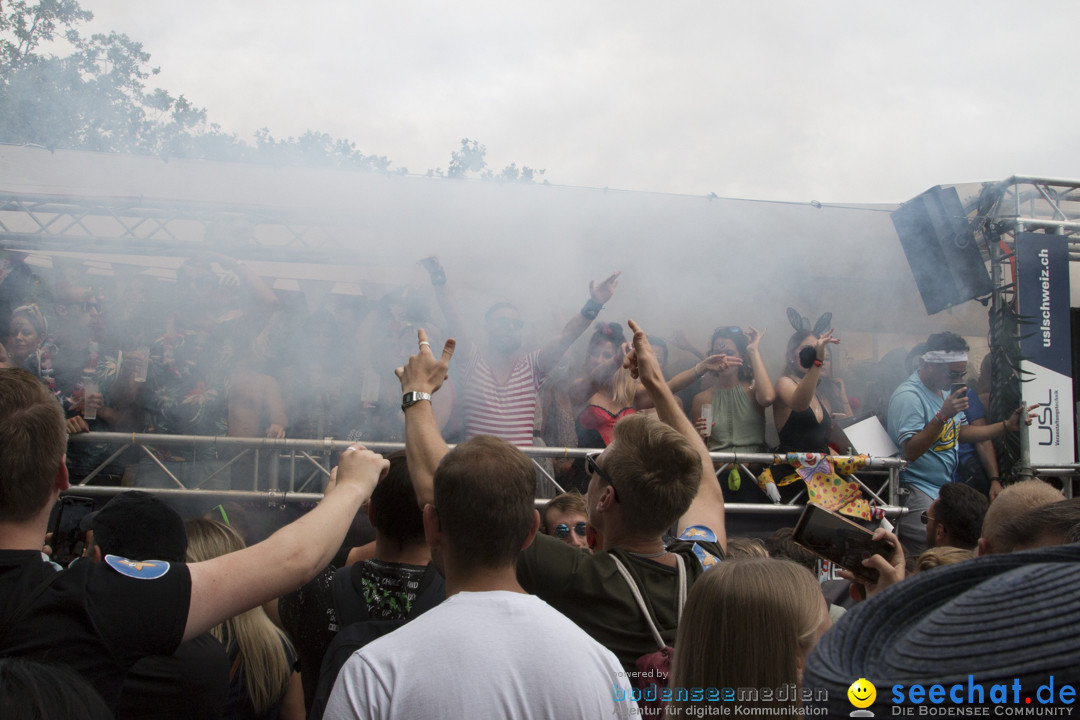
x,y
891,568
68,538
835,538
956,401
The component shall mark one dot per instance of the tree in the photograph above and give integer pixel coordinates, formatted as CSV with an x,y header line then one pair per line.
x,y
471,159
96,98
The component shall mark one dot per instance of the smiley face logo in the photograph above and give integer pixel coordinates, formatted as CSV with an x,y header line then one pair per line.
x,y
862,693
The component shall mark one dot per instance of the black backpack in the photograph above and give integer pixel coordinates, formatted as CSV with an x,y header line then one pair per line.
x,y
357,629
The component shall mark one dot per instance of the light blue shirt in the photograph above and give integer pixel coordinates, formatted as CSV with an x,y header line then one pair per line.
x,y
911,407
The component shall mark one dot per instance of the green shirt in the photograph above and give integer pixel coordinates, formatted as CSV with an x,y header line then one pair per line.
x,y
589,590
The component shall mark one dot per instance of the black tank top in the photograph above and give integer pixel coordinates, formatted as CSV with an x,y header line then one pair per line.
x,y
803,433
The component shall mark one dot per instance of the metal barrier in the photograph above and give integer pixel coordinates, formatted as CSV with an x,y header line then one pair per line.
x,y
1069,474
307,463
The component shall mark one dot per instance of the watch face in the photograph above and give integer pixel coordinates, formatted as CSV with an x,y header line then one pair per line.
x,y
411,398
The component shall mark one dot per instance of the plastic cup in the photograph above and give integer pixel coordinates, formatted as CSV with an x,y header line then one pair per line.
x,y
89,388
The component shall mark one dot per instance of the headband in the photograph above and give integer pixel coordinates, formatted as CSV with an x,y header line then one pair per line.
x,y
943,356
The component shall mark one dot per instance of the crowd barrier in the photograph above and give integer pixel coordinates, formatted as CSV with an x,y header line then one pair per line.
x,y
294,471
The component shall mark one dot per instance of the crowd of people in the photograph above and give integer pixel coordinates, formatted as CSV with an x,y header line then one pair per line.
x,y
623,596
218,353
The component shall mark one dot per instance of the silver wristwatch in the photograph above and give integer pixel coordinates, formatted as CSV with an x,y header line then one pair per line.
x,y
411,398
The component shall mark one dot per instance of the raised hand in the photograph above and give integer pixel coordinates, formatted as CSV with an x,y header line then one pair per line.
x,y
955,402
825,340
359,466
602,293
641,361
423,373
720,363
753,339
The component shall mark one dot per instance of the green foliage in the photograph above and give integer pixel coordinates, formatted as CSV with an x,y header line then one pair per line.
x,y
471,159
316,149
95,97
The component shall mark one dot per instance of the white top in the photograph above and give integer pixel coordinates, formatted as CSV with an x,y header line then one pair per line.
x,y
479,655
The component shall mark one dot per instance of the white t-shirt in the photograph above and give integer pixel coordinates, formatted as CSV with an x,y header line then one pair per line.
x,y
477,655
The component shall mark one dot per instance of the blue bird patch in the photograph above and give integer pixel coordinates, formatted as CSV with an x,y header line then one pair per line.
x,y
138,569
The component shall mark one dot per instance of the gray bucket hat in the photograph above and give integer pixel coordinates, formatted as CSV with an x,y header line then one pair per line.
x,y
990,631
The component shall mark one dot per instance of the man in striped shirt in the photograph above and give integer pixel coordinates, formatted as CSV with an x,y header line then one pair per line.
x,y
499,382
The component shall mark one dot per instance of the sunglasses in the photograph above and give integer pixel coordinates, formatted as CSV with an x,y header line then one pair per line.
x,y
957,374
562,530
926,517
593,468
87,306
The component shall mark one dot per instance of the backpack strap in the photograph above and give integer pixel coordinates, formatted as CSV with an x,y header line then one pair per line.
x,y
429,593
24,607
641,601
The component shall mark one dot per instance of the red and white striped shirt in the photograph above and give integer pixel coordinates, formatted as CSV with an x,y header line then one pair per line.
x,y
506,410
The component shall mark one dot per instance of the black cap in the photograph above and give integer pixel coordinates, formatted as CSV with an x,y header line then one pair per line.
x,y
137,526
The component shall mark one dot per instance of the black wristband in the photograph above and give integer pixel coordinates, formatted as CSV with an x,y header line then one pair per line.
x,y
592,308
438,277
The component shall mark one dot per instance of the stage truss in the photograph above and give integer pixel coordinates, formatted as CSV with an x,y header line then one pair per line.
x,y
997,215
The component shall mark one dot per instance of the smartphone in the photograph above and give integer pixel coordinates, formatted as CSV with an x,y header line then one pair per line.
x,y
956,387
835,538
68,539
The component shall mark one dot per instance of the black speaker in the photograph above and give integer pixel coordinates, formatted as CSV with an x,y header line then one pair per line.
x,y
941,249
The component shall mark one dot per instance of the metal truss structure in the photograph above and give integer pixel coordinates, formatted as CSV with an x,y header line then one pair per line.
x,y
289,468
998,214
132,226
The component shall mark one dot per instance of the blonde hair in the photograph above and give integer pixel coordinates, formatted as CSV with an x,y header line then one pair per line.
x,y
260,646
1015,500
745,547
655,471
623,387
944,555
747,624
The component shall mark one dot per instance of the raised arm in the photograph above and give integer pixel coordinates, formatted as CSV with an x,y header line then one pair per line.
x,y
711,364
551,353
231,584
708,506
764,392
799,396
424,444
255,286
454,326
682,342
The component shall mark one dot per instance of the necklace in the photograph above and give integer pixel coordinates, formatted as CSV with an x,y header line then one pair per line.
x,y
648,555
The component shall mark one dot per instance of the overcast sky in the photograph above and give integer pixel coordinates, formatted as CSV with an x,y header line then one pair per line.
x,y
829,101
